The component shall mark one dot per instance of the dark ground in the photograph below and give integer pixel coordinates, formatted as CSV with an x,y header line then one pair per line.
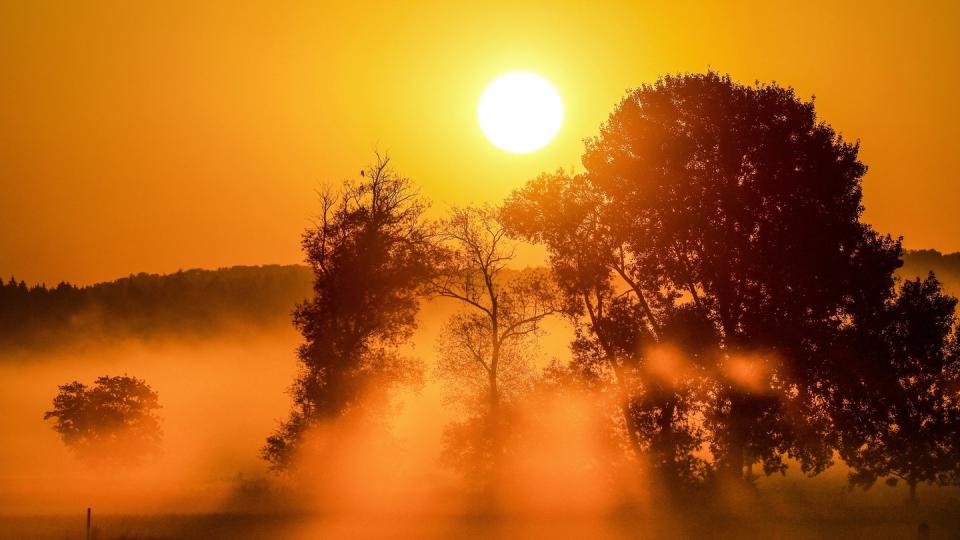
x,y
827,521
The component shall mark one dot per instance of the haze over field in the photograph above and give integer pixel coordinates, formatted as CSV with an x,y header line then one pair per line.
x,y
388,482
398,485
210,457
221,392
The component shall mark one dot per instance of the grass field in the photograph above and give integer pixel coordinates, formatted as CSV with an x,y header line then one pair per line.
x,y
768,518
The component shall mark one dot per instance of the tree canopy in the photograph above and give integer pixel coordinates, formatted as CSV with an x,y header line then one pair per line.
x,y
738,207
900,417
114,421
371,254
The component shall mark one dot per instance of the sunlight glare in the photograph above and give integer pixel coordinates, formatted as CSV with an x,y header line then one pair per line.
x,y
520,112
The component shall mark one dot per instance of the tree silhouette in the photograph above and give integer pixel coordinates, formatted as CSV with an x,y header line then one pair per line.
x,y
486,348
112,422
370,253
616,333
900,416
737,203
191,302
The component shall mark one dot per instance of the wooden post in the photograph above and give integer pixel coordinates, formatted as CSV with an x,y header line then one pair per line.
x,y
88,524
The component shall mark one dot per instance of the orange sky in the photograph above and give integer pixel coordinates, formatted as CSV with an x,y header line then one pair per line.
x,y
140,136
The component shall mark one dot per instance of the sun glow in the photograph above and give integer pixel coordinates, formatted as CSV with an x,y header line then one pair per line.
x,y
520,112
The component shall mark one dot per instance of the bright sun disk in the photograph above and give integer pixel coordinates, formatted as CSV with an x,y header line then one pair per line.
x,y
520,112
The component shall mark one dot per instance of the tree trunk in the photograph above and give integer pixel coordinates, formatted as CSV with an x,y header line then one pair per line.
x,y
628,423
493,421
667,446
494,397
912,482
625,401
494,357
734,467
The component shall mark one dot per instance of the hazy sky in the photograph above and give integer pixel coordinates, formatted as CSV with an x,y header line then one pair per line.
x,y
138,136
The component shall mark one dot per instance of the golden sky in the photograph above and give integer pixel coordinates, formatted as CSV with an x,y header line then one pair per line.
x,y
141,136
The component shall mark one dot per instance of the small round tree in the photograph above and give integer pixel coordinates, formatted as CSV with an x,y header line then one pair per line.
x,y
899,415
114,421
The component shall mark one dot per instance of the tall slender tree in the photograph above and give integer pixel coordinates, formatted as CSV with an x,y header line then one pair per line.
x,y
486,347
370,252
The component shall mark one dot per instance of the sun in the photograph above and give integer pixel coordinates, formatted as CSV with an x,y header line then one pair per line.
x,y
520,112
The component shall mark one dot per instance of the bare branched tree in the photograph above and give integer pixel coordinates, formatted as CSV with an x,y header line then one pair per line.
x,y
486,349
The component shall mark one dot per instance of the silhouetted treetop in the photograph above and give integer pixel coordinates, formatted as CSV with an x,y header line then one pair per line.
x,y
897,408
744,193
112,422
185,303
371,253
738,203
918,263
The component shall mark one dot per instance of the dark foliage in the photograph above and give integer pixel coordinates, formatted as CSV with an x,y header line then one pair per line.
x,y
734,202
897,404
918,263
112,422
370,255
191,302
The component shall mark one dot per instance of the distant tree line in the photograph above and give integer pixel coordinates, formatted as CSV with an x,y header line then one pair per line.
x,y
187,302
203,301
726,295
918,263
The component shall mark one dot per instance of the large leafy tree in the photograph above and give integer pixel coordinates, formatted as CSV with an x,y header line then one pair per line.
x,y
898,411
114,421
737,203
617,332
370,252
